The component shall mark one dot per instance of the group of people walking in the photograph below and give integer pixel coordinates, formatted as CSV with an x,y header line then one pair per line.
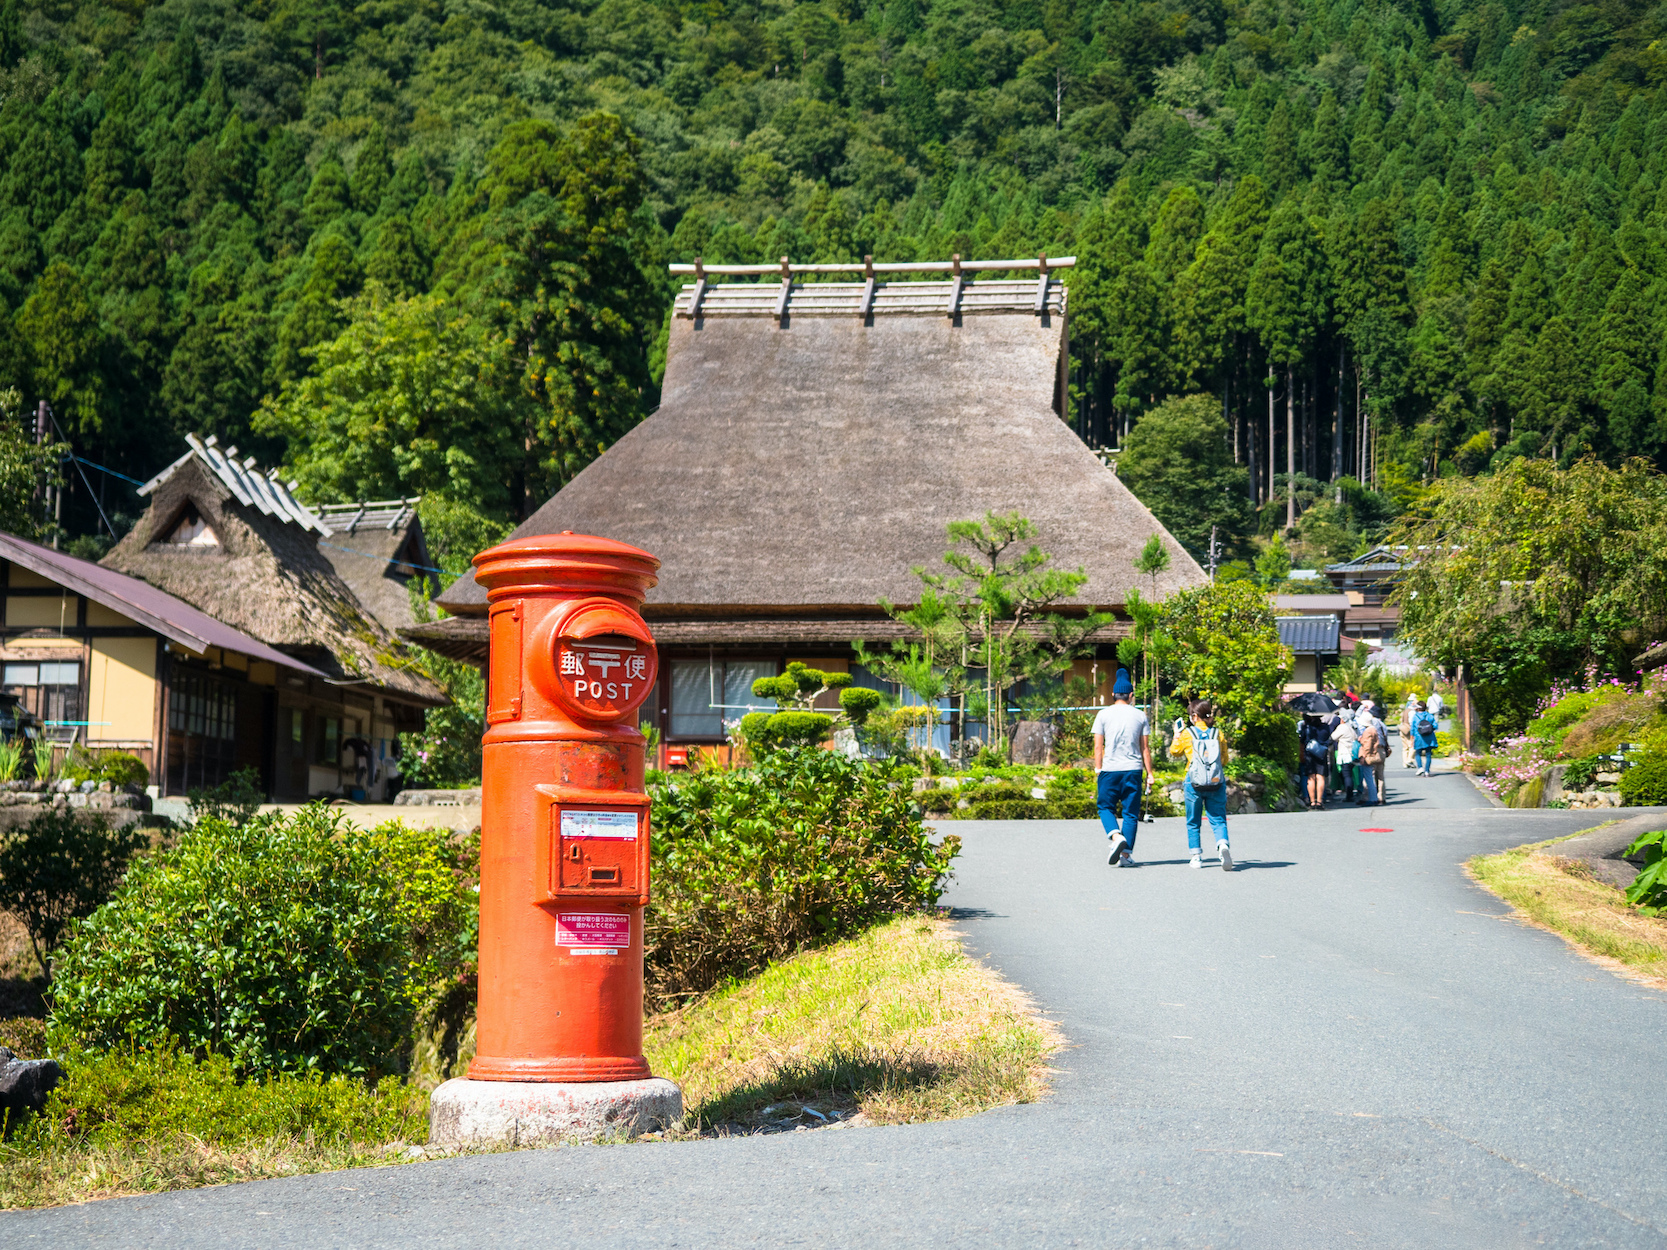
x,y
1343,752
1123,765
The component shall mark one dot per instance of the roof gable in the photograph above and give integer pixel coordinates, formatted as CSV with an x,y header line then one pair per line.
x,y
811,463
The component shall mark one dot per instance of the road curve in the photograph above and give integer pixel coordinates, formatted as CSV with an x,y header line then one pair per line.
x,y
1343,1043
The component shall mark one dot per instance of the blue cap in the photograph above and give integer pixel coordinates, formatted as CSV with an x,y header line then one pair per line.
x,y
1122,685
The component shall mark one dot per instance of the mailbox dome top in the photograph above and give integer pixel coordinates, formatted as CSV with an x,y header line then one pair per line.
x,y
576,563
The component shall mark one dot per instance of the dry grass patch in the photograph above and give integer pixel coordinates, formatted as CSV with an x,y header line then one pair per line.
x,y
894,1025
1562,895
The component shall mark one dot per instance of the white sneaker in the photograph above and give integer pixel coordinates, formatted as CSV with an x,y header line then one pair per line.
x,y
1226,853
1127,861
1197,860
1118,842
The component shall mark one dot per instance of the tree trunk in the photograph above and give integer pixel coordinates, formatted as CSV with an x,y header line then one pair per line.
x,y
1272,437
1290,448
1337,420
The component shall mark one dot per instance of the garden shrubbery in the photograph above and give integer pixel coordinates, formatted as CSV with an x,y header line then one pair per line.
x,y
61,867
119,768
287,943
751,865
153,1093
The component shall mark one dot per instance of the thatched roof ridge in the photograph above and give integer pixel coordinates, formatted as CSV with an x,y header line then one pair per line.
x,y
264,575
810,466
242,480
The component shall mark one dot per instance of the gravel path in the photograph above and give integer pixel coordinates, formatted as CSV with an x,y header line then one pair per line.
x,y
1343,1043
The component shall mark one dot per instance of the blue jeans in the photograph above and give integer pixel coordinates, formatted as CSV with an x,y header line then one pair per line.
x,y
1423,757
1201,802
1127,787
1366,785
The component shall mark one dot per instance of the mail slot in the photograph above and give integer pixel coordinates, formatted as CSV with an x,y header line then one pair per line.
x,y
595,845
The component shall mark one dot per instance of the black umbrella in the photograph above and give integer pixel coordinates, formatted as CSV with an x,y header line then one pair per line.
x,y
1314,702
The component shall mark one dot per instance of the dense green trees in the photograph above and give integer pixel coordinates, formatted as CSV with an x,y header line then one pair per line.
x,y
1432,237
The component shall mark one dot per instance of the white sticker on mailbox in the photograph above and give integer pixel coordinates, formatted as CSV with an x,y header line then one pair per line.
x,y
593,929
609,826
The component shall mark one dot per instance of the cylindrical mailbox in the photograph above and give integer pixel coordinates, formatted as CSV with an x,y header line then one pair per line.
x,y
564,816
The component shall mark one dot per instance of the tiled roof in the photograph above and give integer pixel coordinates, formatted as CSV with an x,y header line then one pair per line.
x,y
1309,635
246,483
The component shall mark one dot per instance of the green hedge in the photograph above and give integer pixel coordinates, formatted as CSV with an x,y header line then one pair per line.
x,y
1645,783
752,865
1031,809
292,942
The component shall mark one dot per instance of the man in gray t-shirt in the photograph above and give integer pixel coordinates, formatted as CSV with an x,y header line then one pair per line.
x,y
1123,764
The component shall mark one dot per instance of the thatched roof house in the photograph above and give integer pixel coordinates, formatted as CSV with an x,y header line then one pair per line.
x,y
377,548
237,545
812,443
113,663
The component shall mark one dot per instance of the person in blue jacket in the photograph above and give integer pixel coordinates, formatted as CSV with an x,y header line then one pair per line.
x,y
1423,739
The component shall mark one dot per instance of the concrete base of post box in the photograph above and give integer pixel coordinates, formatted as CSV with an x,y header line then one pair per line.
x,y
527,1113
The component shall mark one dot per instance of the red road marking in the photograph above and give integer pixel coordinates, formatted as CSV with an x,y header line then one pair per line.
x,y
1377,831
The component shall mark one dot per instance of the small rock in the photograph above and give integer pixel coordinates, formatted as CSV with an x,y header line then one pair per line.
x,y
88,787
25,1083
1037,792
963,803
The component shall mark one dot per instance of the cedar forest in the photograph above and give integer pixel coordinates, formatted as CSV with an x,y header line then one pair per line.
x,y
407,248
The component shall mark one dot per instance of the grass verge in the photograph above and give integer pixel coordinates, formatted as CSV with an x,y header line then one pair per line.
x,y
892,1026
1562,895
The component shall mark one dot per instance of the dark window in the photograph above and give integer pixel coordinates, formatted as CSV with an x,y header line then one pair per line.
x,y
329,739
51,689
202,731
707,694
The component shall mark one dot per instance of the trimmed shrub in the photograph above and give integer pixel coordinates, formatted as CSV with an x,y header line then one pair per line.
x,y
1271,736
119,768
753,865
1645,783
295,942
1031,809
61,867
775,731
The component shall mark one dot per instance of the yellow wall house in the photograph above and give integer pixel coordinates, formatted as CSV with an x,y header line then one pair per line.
x,y
111,662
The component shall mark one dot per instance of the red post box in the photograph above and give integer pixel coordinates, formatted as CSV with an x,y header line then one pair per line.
x,y
564,816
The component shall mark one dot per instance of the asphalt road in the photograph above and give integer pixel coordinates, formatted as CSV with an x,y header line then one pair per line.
x,y
1343,1043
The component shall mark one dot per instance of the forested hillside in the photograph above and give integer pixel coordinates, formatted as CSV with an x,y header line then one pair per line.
x,y
409,247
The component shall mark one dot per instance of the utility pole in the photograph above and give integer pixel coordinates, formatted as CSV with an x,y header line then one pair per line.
x,y
1058,96
52,497
1213,552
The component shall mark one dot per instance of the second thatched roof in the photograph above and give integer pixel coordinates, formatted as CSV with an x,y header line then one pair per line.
x,y
807,464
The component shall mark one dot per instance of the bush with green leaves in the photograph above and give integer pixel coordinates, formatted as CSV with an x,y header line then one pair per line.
x,y
60,867
1648,891
753,865
1582,774
1271,736
119,768
1645,783
292,942
235,800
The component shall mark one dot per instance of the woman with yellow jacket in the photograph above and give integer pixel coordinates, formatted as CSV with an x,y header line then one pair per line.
x,y
1204,799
